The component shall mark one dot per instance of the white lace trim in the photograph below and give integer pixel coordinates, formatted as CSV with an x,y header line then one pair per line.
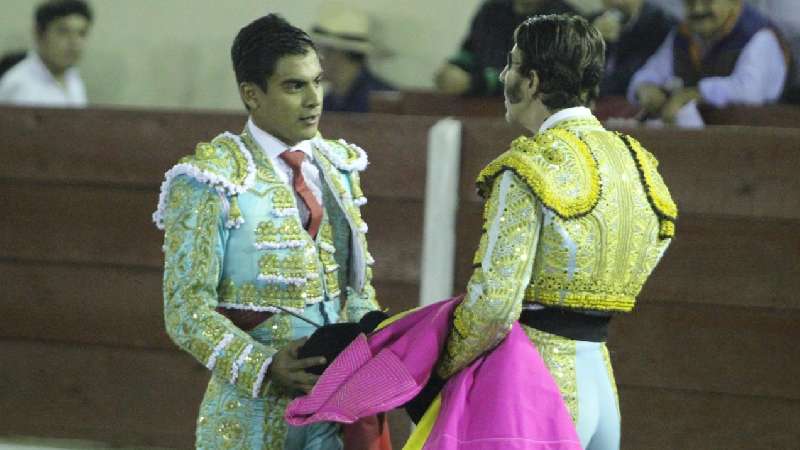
x,y
222,185
212,360
360,201
363,228
358,164
260,378
279,245
256,308
333,268
280,279
239,361
284,212
327,247
315,300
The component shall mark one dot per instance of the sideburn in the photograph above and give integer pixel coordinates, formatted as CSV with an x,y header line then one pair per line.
x,y
514,92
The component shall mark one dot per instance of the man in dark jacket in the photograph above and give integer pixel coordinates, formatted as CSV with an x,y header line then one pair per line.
x,y
633,30
475,69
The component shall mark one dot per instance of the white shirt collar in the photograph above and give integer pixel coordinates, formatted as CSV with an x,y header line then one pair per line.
x,y
42,71
576,112
274,146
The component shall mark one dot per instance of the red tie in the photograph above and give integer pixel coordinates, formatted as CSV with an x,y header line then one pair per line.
x,y
294,158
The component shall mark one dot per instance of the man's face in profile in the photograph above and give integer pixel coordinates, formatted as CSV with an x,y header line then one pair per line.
x,y
512,85
292,104
62,42
707,18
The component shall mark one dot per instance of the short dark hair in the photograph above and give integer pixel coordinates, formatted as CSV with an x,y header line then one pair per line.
x,y
568,55
258,47
52,10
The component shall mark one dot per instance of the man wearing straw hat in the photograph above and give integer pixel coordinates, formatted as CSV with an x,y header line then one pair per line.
x,y
344,41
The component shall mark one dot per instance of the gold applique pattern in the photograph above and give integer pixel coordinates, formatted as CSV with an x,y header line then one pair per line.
x,y
657,191
192,266
559,168
559,355
495,290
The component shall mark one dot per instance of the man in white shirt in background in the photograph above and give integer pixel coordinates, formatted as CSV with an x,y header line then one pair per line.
x,y
725,53
48,75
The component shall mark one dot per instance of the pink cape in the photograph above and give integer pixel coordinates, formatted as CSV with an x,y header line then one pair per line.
x,y
504,400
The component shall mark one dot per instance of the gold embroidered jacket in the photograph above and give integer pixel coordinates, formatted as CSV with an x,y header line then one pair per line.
x,y
576,217
233,238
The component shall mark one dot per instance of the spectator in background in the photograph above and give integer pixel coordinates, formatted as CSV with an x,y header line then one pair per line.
x,y
475,69
633,30
786,15
344,41
725,52
48,75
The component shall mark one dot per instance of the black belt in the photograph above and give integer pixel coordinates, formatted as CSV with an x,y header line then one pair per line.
x,y
579,326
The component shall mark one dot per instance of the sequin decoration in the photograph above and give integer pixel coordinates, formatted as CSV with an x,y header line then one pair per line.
x,y
559,355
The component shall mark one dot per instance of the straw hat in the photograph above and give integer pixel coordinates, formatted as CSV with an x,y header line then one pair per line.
x,y
344,29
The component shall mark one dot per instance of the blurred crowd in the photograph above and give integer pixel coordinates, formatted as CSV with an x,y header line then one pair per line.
x,y
665,59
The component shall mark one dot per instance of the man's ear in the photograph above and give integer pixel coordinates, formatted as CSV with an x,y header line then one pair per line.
x,y
249,95
533,84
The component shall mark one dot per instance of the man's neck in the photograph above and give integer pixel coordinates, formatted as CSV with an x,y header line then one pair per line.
x,y
58,73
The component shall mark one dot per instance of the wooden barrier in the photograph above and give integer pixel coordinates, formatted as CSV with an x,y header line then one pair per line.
x,y
418,102
82,341
427,103
708,358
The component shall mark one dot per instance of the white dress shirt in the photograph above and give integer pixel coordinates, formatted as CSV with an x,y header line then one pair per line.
x,y
273,147
30,83
757,78
576,112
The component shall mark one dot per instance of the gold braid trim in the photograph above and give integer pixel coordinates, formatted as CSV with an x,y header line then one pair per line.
x,y
558,167
657,192
232,148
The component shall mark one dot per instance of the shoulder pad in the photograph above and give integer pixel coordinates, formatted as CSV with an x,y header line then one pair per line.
x,y
657,191
224,163
558,167
343,155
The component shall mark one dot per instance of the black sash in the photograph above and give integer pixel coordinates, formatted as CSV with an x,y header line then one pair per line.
x,y
579,326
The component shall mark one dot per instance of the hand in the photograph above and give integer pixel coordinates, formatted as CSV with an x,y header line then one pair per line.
x,y
609,24
677,101
288,371
453,80
652,98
